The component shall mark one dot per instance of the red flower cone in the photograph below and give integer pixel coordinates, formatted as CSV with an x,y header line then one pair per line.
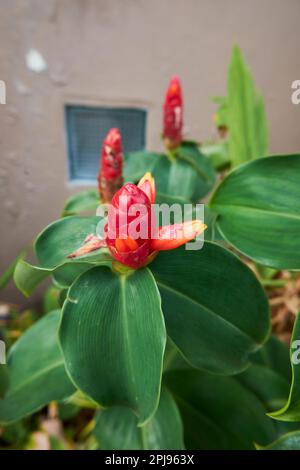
x,y
110,177
128,229
173,115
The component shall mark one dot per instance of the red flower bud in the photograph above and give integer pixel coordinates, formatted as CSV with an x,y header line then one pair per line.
x,y
173,115
110,177
128,229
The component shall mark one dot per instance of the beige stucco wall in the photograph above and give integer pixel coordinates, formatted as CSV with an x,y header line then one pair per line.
x,y
124,52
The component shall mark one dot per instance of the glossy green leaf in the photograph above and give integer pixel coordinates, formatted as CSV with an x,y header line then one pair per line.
x,y
187,177
84,201
259,212
136,164
274,355
218,412
268,375
52,247
245,113
289,441
117,428
36,371
27,276
173,180
216,311
206,176
113,337
270,387
51,299
66,274
211,233
264,378
172,356
63,237
291,410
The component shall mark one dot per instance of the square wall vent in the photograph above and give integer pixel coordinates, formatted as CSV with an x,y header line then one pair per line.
x,y
86,128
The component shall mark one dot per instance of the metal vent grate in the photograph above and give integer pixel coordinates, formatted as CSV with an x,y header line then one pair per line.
x,y
86,129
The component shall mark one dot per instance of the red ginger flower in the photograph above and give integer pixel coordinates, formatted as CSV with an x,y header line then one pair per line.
x,y
131,234
129,226
173,114
110,177
138,241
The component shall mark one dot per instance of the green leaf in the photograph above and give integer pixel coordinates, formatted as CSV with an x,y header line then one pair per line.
x,y
289,441
216,311
36,371
9,272
81,400
265,378
64,236
113,337
206,176
218,412
217,153
269,386
221,115
52,247
245,113
291,410
185,178
86,200
117,428
261,129
274,355
66,274
259,214
268,377
165,172
51,299
27,276
210,233
136,164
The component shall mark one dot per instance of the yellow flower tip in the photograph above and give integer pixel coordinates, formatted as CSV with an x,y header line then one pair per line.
x,y
193,228
199,226
147,184
147,177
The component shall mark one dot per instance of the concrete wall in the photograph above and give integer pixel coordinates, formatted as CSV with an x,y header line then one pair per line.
x,y
124,52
